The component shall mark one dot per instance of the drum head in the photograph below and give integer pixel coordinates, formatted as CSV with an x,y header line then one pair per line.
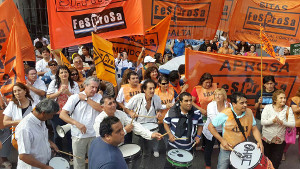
x,y
251,153
150,126
59,163
129,149
179,157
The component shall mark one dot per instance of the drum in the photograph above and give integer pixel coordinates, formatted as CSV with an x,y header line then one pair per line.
x,y
252,157
130,152
179,158
59,163
151,126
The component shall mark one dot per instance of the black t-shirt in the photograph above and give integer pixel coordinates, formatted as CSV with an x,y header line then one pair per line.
x,y
267,99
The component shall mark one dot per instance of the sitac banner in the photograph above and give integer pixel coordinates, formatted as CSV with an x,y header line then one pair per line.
x,y
239,73
193,19
280,20
154,41
72,22
14,68
104,59
9,12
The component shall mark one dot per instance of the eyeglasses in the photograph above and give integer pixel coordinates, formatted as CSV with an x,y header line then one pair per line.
x,y
74,74
53,65
164,83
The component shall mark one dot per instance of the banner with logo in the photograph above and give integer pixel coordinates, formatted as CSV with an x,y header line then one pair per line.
x,y
104,59
154,41
72,22
228,8
195,19
280,20
9,12
239,73
14,68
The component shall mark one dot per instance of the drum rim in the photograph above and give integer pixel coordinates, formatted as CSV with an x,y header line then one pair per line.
x,y
255,164
60,159
180,164
133,157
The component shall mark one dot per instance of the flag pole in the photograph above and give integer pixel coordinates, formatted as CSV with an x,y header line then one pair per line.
x,y
261,67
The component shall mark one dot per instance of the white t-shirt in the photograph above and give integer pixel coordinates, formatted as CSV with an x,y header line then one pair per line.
x,y
83,113
53,89
138,104
42,66
32,138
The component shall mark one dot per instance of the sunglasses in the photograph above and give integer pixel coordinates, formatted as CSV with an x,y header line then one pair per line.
x,y
53,65
164,83
74,74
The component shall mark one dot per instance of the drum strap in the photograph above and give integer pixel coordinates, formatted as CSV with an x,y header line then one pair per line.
x,y
239,124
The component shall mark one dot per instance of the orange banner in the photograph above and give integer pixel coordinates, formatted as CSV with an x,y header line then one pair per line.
x,y
71,23
9,11
228,9
239,73
195,19
154,41
14,68
64,60
280,20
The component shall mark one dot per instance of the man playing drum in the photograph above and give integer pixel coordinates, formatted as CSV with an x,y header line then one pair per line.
x,y
32,136
145,107
233,132
104,152
108,104
184,125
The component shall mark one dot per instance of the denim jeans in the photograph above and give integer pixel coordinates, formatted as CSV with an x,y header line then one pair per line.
x,y
223,160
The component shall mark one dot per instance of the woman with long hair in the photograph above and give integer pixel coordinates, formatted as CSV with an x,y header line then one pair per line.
x,y
60,89
252,51
275,118
75,76
19,107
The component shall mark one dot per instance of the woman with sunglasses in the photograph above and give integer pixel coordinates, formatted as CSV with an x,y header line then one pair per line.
x,y
76,77
53,68
60,89
166,95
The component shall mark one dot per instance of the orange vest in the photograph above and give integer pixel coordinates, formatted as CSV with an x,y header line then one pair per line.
x,y
165,99
177,88
205,96
232,133
296,100
129,92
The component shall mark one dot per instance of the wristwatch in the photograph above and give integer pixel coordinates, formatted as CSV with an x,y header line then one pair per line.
x,y
86,98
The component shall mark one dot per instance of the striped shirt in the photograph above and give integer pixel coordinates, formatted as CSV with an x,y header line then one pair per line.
x,y
267,99
184,144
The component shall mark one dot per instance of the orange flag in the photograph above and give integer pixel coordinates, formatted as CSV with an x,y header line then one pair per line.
x,y
13,65
71,23
154,41
280,19
9,12
64,60
104,59
268,47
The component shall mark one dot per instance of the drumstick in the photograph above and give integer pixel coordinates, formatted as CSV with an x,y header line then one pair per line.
x,y
164,134
240,155
133,118
147,116
194,144
69,154
181,138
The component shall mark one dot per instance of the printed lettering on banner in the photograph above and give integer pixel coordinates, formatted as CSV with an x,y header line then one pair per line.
x,y
4,31
79,5
237,73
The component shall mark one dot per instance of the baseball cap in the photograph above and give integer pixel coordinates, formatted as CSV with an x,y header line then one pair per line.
x,y
149,59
